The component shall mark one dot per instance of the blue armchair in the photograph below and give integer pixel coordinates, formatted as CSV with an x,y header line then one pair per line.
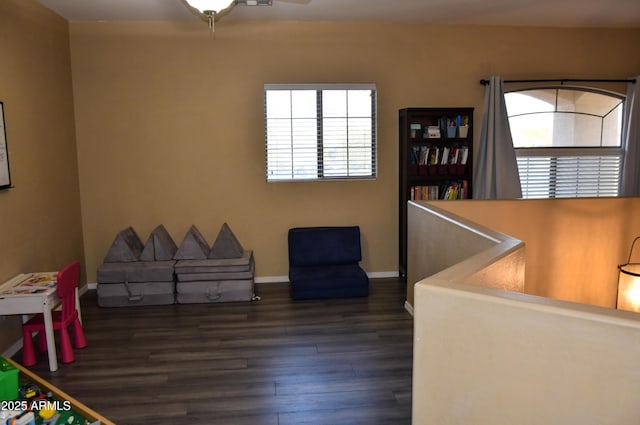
x,y
323,263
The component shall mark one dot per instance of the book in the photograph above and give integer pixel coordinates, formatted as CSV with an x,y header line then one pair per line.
x,y
419,193
455,189
445,156
415,155
464,156
39,280
453,155
424,155
34,283
435,152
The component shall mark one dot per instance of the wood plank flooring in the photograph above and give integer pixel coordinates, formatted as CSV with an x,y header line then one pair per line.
x,y
268,362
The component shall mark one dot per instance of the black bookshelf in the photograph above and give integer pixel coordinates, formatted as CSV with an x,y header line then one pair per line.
x,y
436,160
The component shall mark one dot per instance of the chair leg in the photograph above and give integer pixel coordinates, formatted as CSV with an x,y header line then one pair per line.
x,y
28,351
66,351
42,340
78,334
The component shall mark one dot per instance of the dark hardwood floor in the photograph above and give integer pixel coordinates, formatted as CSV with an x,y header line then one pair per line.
x,y
268,362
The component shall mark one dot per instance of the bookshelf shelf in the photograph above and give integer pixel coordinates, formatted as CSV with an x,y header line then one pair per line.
x,y
436,160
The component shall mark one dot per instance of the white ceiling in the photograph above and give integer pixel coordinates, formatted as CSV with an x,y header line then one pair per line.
x,y
560,13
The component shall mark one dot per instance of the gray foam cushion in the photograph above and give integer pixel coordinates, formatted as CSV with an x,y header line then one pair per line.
x,y
193,246
226,245
126,247
160,246
141,271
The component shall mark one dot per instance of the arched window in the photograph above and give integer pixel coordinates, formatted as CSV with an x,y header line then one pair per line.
x,y
567,141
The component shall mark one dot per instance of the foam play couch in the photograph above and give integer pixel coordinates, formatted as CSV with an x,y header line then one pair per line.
x,y
323,263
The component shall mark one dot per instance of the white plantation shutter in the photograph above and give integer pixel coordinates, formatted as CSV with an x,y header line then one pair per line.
x,y
567,173
320,131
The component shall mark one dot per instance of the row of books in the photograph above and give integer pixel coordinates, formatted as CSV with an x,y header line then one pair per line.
x,y
434,155
455,189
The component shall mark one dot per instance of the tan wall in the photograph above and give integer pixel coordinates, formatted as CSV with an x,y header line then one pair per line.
x,y
454,249
169,123
487,357
573,246
40,217
170,118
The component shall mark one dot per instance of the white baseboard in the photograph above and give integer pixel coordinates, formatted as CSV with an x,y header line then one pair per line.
x,y
383,275
285,279
408,307
272,279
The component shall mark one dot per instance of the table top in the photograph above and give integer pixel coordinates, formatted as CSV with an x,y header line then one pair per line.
x,y
39,283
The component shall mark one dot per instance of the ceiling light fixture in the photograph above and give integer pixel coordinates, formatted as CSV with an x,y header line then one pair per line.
x,y
210,8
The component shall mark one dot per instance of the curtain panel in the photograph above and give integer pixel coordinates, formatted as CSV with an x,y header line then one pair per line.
x,y
496,170
630,185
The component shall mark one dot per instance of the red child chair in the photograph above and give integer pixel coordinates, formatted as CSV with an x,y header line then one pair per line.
x,y
67,283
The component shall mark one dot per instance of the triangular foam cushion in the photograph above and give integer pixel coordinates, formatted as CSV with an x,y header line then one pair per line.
x,y
160,246
126,247
193,246
226,245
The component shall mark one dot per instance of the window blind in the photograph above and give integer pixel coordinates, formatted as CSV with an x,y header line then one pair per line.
x,y
566,173
320,131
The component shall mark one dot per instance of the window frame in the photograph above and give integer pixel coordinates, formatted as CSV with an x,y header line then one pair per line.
x,y
320,142
554,153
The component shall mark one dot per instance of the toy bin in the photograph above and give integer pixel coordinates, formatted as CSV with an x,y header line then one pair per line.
x,y
8,380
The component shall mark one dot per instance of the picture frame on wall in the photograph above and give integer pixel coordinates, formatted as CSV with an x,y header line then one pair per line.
x,y
5,175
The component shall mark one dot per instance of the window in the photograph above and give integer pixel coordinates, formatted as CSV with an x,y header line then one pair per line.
x,y
320,131
567,141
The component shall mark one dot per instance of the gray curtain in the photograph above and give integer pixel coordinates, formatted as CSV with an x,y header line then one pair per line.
x,y
496,170
631,141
